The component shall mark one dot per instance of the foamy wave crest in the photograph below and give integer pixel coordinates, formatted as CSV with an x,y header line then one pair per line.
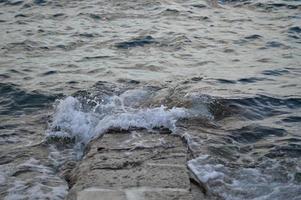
x,y
72,121
145,118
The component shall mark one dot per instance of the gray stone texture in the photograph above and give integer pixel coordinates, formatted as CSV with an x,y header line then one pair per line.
x,y
133,166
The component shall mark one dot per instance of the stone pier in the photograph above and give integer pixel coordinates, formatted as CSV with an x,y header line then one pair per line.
x,y
133,166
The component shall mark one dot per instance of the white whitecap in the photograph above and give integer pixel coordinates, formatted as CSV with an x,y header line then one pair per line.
x,y
71,120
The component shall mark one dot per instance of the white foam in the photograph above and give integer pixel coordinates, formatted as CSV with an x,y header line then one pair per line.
x,y
145,118
70,120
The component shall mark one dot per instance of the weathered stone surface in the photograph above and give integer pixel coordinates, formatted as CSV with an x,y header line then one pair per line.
x,y
140,165
101,194
140,193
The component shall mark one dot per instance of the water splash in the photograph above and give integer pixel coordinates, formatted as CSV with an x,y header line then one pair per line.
x,y
71,120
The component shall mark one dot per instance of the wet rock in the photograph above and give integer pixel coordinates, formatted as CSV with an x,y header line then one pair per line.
x,y
126,166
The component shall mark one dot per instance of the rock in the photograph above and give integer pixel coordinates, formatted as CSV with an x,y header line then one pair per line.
x,y
140,165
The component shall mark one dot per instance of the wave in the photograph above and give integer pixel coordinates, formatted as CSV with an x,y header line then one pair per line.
x,y
237,160
71,121
14,100
257,107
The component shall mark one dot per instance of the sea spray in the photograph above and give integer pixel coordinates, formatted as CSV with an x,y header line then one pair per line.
x,y
71,121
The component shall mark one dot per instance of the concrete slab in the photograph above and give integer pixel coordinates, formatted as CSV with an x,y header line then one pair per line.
x,y
133,166
100,194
